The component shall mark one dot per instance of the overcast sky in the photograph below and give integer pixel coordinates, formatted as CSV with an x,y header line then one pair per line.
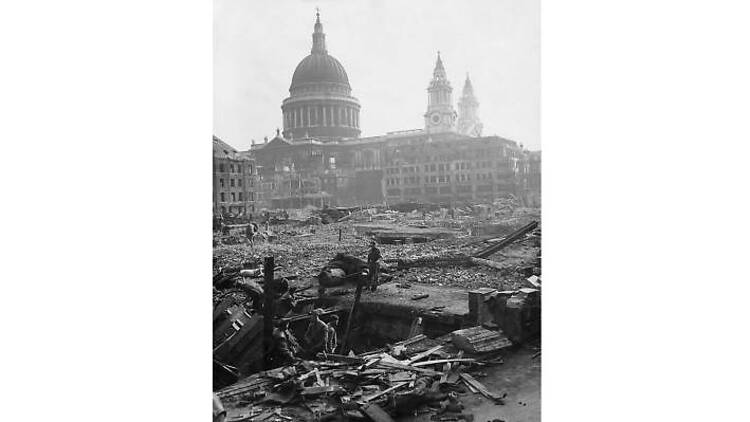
x,y
388,48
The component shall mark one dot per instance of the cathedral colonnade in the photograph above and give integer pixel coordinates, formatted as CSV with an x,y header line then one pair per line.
x,y
302,116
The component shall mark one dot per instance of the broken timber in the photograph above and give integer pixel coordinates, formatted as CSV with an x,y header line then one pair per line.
x,y
479,339
471,381
486,253
487,263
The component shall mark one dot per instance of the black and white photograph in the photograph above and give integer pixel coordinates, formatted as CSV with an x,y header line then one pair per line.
x,y
371,209
376,211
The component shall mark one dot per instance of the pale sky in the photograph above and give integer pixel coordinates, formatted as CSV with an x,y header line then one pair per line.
x,y
388,49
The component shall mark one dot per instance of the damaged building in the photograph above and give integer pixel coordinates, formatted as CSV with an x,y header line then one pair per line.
x,y
234,181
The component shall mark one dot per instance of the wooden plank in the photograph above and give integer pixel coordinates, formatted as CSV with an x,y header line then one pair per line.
x,y
480,387
487,263
268,309
386,391
424,354
406,342
439,361
314,391
471,387
486,253
357,296
409,368
341,358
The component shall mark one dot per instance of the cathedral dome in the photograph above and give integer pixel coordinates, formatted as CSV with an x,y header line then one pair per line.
x,y
320,103
319,68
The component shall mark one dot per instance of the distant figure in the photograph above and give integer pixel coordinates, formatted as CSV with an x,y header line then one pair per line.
x,y
373,265
250,231
316,336
332,336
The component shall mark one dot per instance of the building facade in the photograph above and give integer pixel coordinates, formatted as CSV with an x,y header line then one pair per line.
x,y
234,181
320,159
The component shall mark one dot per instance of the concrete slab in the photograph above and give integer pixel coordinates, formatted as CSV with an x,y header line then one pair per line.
x,y
454,300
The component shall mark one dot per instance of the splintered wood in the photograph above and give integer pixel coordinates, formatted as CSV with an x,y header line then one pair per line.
x,y
479,340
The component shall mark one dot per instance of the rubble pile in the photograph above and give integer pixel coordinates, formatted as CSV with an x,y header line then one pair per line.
x,y
412,377
301,253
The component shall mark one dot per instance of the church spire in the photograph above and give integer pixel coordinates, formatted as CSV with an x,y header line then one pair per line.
x,y
468,116
319,37
468,88
439,72
440,115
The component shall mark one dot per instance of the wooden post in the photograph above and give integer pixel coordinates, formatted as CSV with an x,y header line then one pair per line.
x,y
268,309
357,295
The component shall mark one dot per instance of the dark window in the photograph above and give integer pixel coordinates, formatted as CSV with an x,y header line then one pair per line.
x,y
231,182
221,168
240,196
222,197
234,198
239,182
221,182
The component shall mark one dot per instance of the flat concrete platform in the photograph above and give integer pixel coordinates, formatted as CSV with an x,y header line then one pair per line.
x,y
455,300
393,303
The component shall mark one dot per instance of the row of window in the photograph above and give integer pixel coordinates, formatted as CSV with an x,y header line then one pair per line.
x,y
237,209
392,181
460,155
222,183
236,196
438,190
235,169
445,167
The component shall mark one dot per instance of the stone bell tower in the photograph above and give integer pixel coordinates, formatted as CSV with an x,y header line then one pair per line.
x,y
440,115
468,118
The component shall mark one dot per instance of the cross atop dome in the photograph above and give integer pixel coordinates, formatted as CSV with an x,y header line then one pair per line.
x,y
319,37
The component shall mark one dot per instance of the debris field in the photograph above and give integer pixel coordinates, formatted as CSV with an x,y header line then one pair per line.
x,y
459,297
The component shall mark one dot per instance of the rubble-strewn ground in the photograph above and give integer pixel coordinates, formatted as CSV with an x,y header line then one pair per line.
x,y
302,249
302,253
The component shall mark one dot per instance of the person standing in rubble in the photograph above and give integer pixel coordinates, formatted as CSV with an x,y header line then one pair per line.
x,y
285,345
250,231
373,265
316,336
